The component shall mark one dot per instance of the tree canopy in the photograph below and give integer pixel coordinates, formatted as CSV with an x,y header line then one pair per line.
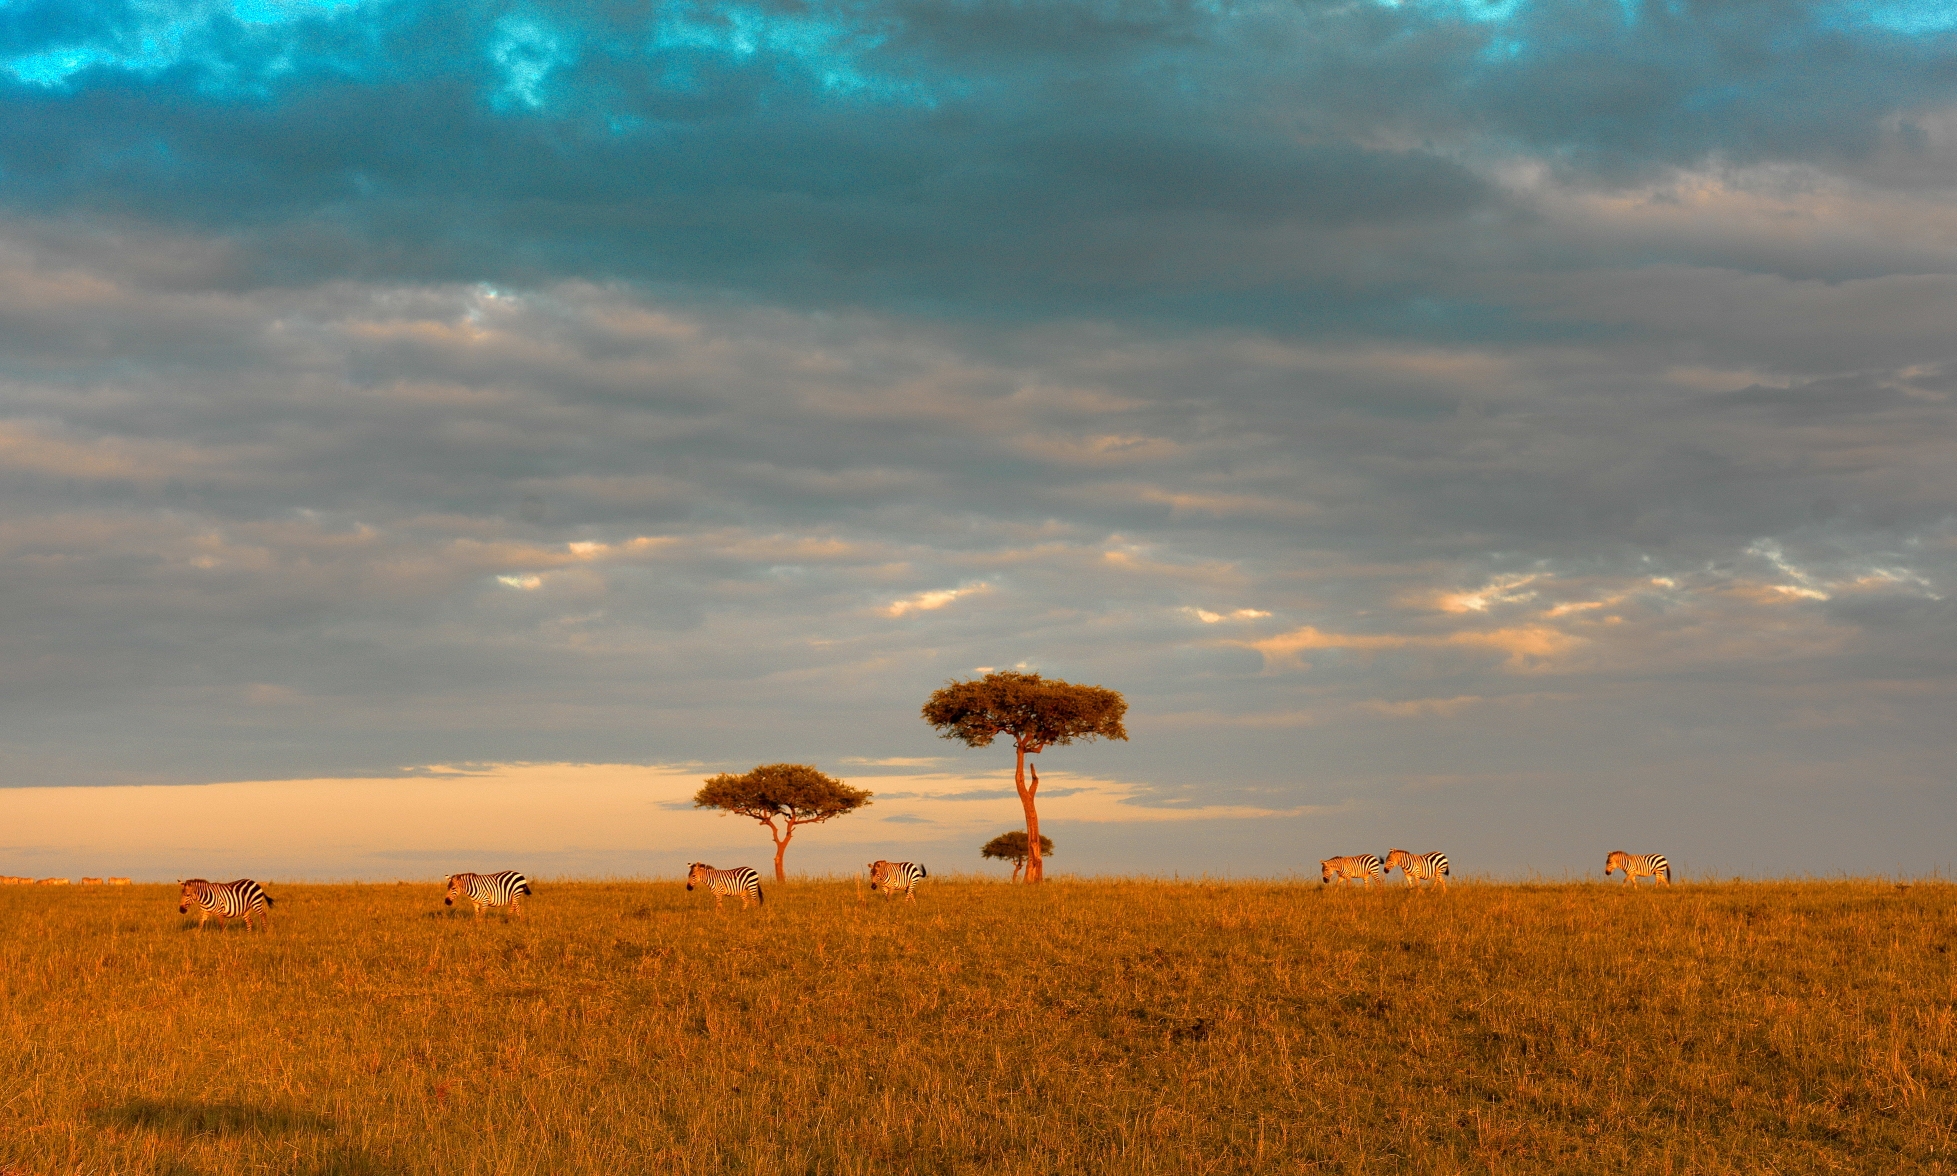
x,y
791,794
1011,847
1037,713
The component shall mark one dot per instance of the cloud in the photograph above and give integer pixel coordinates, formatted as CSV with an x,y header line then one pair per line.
x,y
1207,159
1529,648
1241,614
933,600
896,761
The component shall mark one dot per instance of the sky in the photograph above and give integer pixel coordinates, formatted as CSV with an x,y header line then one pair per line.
x,y
449,432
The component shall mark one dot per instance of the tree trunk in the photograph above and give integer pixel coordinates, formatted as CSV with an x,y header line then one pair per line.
x,y
781,851
1035,871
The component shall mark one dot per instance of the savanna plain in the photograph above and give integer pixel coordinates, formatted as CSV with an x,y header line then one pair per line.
x,y
1078,1026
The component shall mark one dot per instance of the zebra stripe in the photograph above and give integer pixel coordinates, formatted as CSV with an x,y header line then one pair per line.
x,y
227,900
488,890
1642,865
1363,868
741,880
894,876
1415,868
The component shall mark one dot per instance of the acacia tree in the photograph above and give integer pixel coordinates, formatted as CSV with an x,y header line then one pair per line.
x,y
1037,713
1011,847
793,794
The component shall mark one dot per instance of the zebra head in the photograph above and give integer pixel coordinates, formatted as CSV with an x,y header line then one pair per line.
x,y
189,894
1325,871
696,872
453,883
1617,859
1396,859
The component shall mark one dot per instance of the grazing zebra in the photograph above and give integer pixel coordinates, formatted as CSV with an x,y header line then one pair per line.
x,y
1414,867
226,900
488,890
741,880
894,876
118,881
1363,868
91,881
1639,865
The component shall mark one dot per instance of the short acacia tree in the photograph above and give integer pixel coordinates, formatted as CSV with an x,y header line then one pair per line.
x,y
783,797
1037,713
1011,847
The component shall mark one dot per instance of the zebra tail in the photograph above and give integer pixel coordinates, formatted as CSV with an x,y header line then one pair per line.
x,y
759,897
923,873
269,900
525,889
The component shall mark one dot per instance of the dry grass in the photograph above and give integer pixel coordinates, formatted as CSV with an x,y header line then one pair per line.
x,y
1079,1027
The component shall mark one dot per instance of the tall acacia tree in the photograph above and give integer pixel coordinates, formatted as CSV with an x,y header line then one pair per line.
x,y
1037,713
793,794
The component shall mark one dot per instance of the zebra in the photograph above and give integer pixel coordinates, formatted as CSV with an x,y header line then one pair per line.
x,y
1414,867
741,880
1363,868
488,890
1639,865
226,900
895,876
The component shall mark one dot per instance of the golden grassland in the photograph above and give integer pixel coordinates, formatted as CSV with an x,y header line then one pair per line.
x,y
1082,1026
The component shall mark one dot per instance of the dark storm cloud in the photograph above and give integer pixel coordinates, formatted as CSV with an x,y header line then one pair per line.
x,y
1303,164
